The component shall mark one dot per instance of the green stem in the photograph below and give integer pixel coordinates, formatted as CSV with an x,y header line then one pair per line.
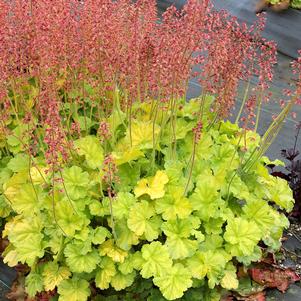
x,y
243,102
258,111
111,213
154,137
191,166
66,192
269,135
53,203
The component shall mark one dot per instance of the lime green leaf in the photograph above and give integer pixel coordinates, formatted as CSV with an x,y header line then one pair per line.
x,y
125,154
212,242
12,186
99,235
180,248
296,4
273,240
242,236
139,214
137,260
19,135
76,182
205,199
142,134
129,175
90,147
54,239
225,158
10,256
5,209
85,123
120,281
210,264
180,227
254,257
5,175
177,232
110,249
230,281
85,246
54,274
69,220
105,273
84,234
203,146
189,110
174,282
237,187
214,226
38,175
153,186
74,290
19,163
199,236
27,199
34,283
116,119
26,236
173,204
261,213
157,259
122,204
100,208
128,265
80,262
125,237
282,195
276,162
182,128
141,220
174,171
229,128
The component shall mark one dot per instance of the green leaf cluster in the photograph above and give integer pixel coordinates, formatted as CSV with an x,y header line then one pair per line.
x,y
181,232
293,3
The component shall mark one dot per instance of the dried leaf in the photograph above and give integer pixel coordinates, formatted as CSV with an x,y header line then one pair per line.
x,y
274,277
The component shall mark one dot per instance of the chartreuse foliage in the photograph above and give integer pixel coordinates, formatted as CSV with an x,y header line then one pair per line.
x,y
293,3
184,244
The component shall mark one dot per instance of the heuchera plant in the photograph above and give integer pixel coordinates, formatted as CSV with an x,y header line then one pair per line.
x,y
108,177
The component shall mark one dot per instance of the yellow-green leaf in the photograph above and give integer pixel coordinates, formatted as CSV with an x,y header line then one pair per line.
x,y
153,186
54,274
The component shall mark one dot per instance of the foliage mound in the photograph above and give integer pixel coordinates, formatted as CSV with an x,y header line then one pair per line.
x,y
175,225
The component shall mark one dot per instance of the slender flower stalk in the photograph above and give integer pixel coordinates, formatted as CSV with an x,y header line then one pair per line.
x,y
73,56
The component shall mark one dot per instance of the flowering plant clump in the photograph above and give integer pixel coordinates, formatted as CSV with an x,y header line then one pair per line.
x,y
108,176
